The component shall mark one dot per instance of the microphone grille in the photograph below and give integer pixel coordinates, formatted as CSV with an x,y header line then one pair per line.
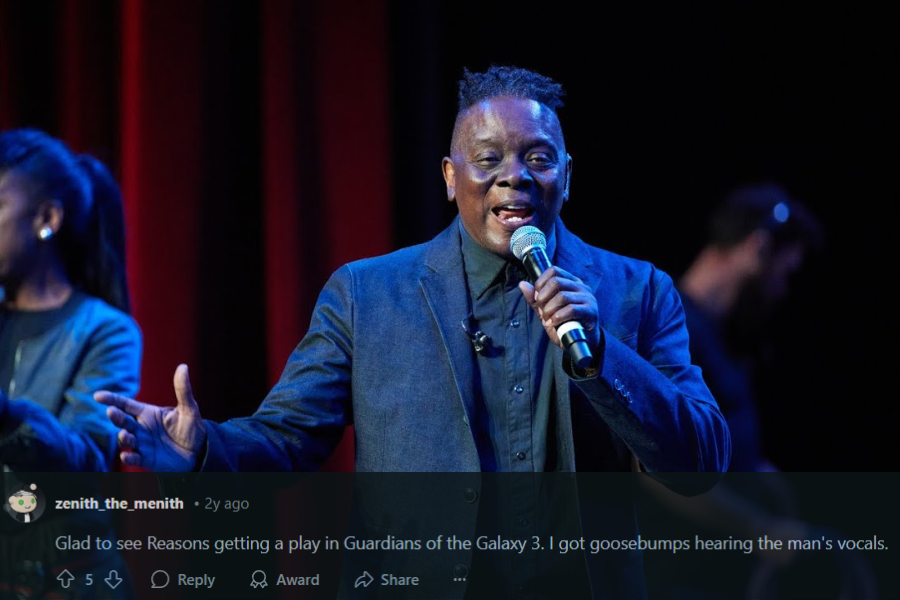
x,y
525,238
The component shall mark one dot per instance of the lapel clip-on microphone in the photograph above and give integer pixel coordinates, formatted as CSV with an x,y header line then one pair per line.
x,y
479,339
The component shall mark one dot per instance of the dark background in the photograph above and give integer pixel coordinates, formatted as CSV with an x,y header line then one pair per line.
x,y
260,145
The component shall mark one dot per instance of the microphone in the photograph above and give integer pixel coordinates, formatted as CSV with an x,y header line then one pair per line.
x,y
529,245
479,339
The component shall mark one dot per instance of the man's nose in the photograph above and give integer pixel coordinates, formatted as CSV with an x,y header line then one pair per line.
x,y
515,174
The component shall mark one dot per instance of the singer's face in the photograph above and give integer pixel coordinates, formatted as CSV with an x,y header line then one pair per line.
x,y
508,167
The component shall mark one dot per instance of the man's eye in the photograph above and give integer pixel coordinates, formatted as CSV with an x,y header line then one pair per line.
x,y
21,502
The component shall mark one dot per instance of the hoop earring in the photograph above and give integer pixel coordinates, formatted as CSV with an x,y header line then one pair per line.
x,y
45,234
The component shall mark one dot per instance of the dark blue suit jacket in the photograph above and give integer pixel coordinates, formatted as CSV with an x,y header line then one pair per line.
x,y
385,352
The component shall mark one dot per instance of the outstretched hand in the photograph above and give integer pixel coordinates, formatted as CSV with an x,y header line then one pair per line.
x,y
158,438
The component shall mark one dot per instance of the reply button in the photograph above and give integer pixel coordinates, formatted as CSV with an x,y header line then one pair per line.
x,y
196,582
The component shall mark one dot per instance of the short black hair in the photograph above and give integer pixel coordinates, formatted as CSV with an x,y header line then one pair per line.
x,y
768,206
508,81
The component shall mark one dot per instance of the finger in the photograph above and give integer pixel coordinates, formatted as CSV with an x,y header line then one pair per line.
x,y
577,300
541,282
127,405
528,292
558,301
564,314
563,274
183,392
557,272
121,419
131,459
548,287
126,441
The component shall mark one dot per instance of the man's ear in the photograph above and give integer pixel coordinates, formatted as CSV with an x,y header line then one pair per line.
x,y
449,178
568,177
50,215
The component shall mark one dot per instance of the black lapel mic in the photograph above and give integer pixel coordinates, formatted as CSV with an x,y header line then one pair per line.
x,y
479,339
529,245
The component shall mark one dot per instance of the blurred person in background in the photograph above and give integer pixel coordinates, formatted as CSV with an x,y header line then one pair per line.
x,y
65,332
759,238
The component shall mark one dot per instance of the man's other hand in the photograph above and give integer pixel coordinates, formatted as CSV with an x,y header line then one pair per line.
x,y
158,438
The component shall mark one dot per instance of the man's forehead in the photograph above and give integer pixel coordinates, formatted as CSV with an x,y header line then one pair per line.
x,y
512,105
509,111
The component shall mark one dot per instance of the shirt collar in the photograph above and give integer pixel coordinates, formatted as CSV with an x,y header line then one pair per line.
x,y
483,267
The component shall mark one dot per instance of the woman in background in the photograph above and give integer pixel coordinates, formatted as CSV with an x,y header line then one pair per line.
x,y
65,332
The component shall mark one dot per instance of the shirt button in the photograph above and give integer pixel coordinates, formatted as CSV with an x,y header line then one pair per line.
x,y
460,571
519,389
514,323
470,495
520,455
523,522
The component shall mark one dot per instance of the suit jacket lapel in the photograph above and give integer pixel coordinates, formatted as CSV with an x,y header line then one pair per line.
x,y
444,286
573,255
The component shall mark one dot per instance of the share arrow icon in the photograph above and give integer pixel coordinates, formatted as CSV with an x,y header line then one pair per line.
x,y
364,580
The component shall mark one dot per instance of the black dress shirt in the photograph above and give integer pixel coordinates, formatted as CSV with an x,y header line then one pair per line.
x,y
515,432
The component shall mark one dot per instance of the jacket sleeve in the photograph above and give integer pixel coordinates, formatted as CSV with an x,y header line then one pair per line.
x,y
655,400
303,418
81,437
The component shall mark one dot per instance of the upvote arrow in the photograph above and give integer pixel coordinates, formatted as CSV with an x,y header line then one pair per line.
x,y
65,578
113,580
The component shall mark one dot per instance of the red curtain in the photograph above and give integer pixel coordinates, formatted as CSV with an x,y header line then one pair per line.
x,y
251,142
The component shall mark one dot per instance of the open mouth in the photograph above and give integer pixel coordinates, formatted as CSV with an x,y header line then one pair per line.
x,y
514,214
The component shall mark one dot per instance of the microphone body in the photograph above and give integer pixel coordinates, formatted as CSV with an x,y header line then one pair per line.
x,y
529,245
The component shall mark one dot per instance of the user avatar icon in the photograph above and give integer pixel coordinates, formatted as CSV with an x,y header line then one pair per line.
x,y
26,504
